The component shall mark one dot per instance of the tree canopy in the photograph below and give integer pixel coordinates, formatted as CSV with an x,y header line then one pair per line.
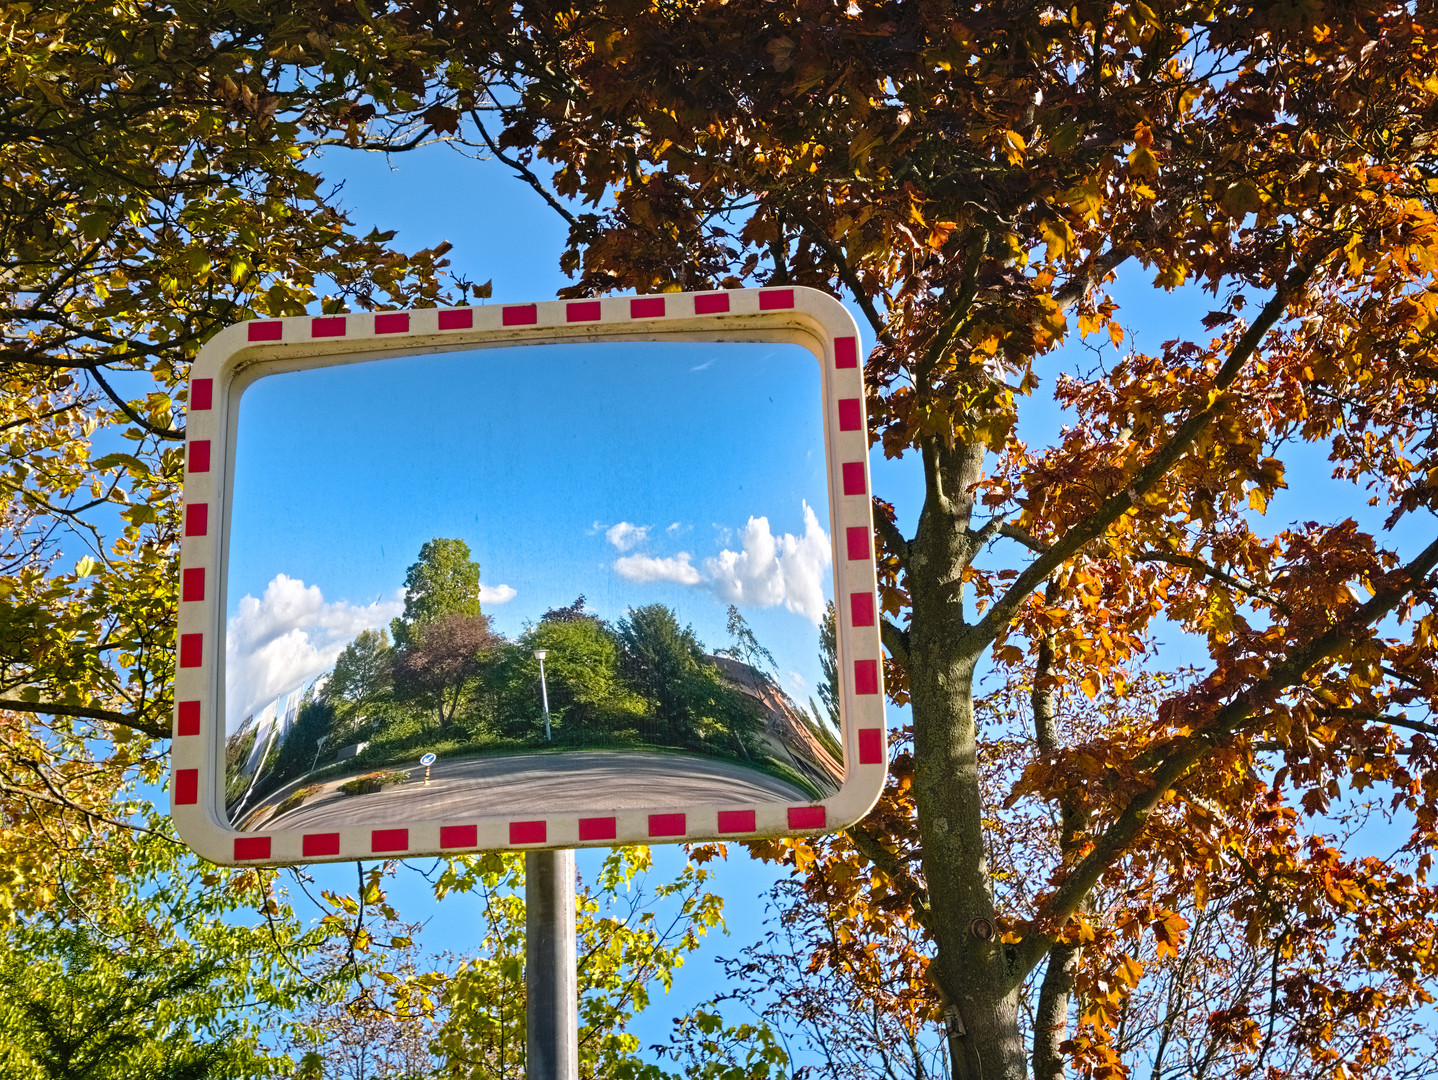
x,y
444,582
1067,855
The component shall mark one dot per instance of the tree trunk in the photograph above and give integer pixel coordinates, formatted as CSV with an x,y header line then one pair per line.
x,y
972,969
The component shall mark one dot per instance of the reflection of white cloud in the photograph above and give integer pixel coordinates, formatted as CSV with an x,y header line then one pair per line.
x,y
288,636
796,686
770,570
495,594
625,536
766,571
644,568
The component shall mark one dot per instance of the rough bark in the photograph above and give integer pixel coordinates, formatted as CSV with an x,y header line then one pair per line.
x,y
1051,1015
972,969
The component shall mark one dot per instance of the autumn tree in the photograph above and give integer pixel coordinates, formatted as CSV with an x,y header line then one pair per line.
x,y
975,181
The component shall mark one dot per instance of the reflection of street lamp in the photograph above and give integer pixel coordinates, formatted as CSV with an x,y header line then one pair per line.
x,y
318,747
540,654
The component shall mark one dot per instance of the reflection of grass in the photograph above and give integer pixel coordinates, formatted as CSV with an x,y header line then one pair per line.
x,y
295,798
372,782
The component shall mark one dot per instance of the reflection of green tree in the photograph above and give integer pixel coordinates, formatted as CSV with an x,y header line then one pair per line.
x,y
445,581
451,686
588,696
301,744
829,666
362,671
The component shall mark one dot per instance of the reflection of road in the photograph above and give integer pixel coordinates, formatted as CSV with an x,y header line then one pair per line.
x,y
597,780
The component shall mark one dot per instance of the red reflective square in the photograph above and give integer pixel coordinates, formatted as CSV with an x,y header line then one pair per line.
x,y
854,478
711,304
527,832
666,824
187,718
596,828
646,307
251,847
192,650
187,786
324,843
806,817
520,315
861,609
871,745
736,821
192,584
582,311
776,299
332,326
266,331
202,394
389,840
461,319
200,455
846,352
851,414
458,836
197,519
856,539
866,676
392,322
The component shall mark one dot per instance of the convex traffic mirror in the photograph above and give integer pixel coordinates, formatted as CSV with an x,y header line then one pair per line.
x,y
534,575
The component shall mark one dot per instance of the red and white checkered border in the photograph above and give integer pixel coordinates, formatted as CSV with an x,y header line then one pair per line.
x,y
242,353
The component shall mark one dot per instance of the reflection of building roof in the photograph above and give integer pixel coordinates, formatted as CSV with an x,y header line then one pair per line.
x,y
786,723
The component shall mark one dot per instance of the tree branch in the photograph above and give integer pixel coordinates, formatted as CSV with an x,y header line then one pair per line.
x,y
1120,503
124,406
846,275
892,867
1013,532
1188,752
79,712
1194,563
894,542
524,173
896,640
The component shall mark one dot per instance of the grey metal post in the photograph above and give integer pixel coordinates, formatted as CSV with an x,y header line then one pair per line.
x,y
550,988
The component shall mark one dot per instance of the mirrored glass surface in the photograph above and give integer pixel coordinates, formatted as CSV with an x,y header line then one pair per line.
x,y
530,579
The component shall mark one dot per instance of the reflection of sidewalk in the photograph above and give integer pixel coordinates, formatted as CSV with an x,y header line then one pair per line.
x,y
598,780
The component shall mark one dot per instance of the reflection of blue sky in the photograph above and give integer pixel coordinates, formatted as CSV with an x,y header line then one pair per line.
x,y
556,464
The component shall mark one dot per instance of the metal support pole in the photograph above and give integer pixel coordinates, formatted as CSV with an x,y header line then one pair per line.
x,y
550,987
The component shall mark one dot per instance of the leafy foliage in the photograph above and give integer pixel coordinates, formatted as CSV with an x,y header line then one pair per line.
x,y
631,936
151,975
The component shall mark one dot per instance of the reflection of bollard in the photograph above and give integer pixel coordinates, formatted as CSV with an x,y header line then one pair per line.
x,y
426,761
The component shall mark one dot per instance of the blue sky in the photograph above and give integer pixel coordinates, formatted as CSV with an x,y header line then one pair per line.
x,y
623,472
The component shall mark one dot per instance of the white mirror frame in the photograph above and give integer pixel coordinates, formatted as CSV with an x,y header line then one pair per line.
x,y
247,351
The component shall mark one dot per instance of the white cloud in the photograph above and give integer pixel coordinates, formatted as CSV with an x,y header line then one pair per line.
x,y
288,636
674,528
627,537
770,570
643,568
767,570
495,594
